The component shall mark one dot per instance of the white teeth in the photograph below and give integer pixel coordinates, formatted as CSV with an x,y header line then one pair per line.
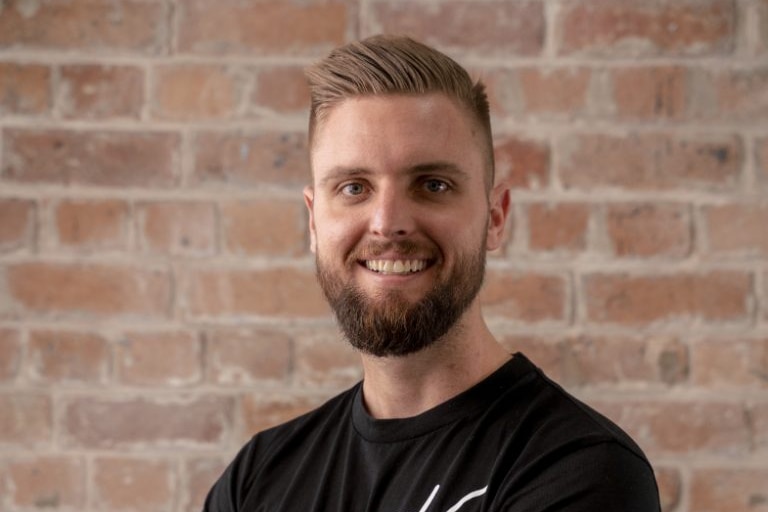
x,y
396,266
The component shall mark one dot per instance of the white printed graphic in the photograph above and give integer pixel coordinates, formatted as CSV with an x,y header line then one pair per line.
x,y
472,495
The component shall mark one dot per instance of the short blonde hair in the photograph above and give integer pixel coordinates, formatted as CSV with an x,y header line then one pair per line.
x,y
386,64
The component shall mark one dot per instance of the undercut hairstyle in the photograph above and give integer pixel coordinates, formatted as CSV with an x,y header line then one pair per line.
x,y
386,64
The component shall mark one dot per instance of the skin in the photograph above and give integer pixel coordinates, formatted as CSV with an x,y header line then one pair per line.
x,y
407,167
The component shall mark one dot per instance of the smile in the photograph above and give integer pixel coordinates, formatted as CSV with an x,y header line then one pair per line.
x,y
396,266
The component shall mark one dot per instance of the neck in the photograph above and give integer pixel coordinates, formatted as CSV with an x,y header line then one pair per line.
x,y
401,387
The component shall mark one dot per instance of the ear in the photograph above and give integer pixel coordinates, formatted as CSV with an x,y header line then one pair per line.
x,y
309,200
497,219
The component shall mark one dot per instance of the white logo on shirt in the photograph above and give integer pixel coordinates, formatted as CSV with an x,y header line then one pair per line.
x,y
470,496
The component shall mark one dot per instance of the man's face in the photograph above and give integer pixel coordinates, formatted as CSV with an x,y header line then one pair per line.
x,y
400,218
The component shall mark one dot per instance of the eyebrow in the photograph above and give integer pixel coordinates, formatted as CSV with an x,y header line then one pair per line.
x,y
341,172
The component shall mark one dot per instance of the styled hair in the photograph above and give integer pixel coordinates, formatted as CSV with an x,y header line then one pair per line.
x,y
386,64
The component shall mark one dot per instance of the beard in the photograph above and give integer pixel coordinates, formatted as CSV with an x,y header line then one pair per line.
x,y
390,325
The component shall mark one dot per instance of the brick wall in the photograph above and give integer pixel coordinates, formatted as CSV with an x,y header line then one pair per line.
x,y
157,301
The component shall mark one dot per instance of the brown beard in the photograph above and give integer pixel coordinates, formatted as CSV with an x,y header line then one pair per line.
x,y
395,327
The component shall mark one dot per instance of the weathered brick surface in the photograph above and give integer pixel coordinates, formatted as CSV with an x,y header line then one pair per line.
x,y
158,303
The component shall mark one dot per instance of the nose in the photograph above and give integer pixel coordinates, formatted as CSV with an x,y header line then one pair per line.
x,y
392,214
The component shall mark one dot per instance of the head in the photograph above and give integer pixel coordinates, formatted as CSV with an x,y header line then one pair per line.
x,y
401,211
382,65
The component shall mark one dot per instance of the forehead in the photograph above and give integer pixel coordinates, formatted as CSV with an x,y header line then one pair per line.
x,y
387,132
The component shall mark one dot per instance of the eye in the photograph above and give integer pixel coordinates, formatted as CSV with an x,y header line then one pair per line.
x,y
352,189
435,185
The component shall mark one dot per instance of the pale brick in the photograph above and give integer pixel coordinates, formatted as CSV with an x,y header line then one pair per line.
x,y
201,474
113,422
101,92
120,25
324,358
61,357
648,229
720,363
248,357
266,410
269,27
26,420
17,224
522,163
273,227
280,90
729,490
737,229
650,162
250,160
92,224
558,227
10,354
611,28
650,93
526,297
195,92
635,300
48,482
491,28
183,228
92,289
169,359
279,292
105,158
133,484
24,88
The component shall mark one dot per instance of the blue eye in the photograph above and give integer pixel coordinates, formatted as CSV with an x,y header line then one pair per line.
x,y
436,186
353,189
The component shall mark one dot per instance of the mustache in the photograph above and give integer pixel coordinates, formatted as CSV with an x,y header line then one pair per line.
x,y
374,249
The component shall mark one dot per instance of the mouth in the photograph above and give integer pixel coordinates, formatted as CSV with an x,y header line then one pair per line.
x,y
397,267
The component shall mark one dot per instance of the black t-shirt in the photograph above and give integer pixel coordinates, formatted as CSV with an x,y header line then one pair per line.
x,y
514,442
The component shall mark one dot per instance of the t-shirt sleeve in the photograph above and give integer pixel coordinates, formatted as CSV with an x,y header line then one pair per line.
x,y
226,493
605,476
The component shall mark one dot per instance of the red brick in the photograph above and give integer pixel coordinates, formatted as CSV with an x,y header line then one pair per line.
x,y
670,488
324,358
554,91
234,293
26,420
101,92
10,354
528,297
274,227
489,28
251,160
162,421
201,474
115,159
195,92
79,288
737,229
718,296
56,357
623,361
159,359
683,428
247,357
17,224
522,163
663,27
268,27
650,93
123,484
731,362
280,89
650,162
92,223
265,410
729,490
123,25
24,88
178,227
557,227
648,229
48,482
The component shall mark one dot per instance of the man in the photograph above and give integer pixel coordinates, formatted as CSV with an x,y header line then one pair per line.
x,y
402,210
